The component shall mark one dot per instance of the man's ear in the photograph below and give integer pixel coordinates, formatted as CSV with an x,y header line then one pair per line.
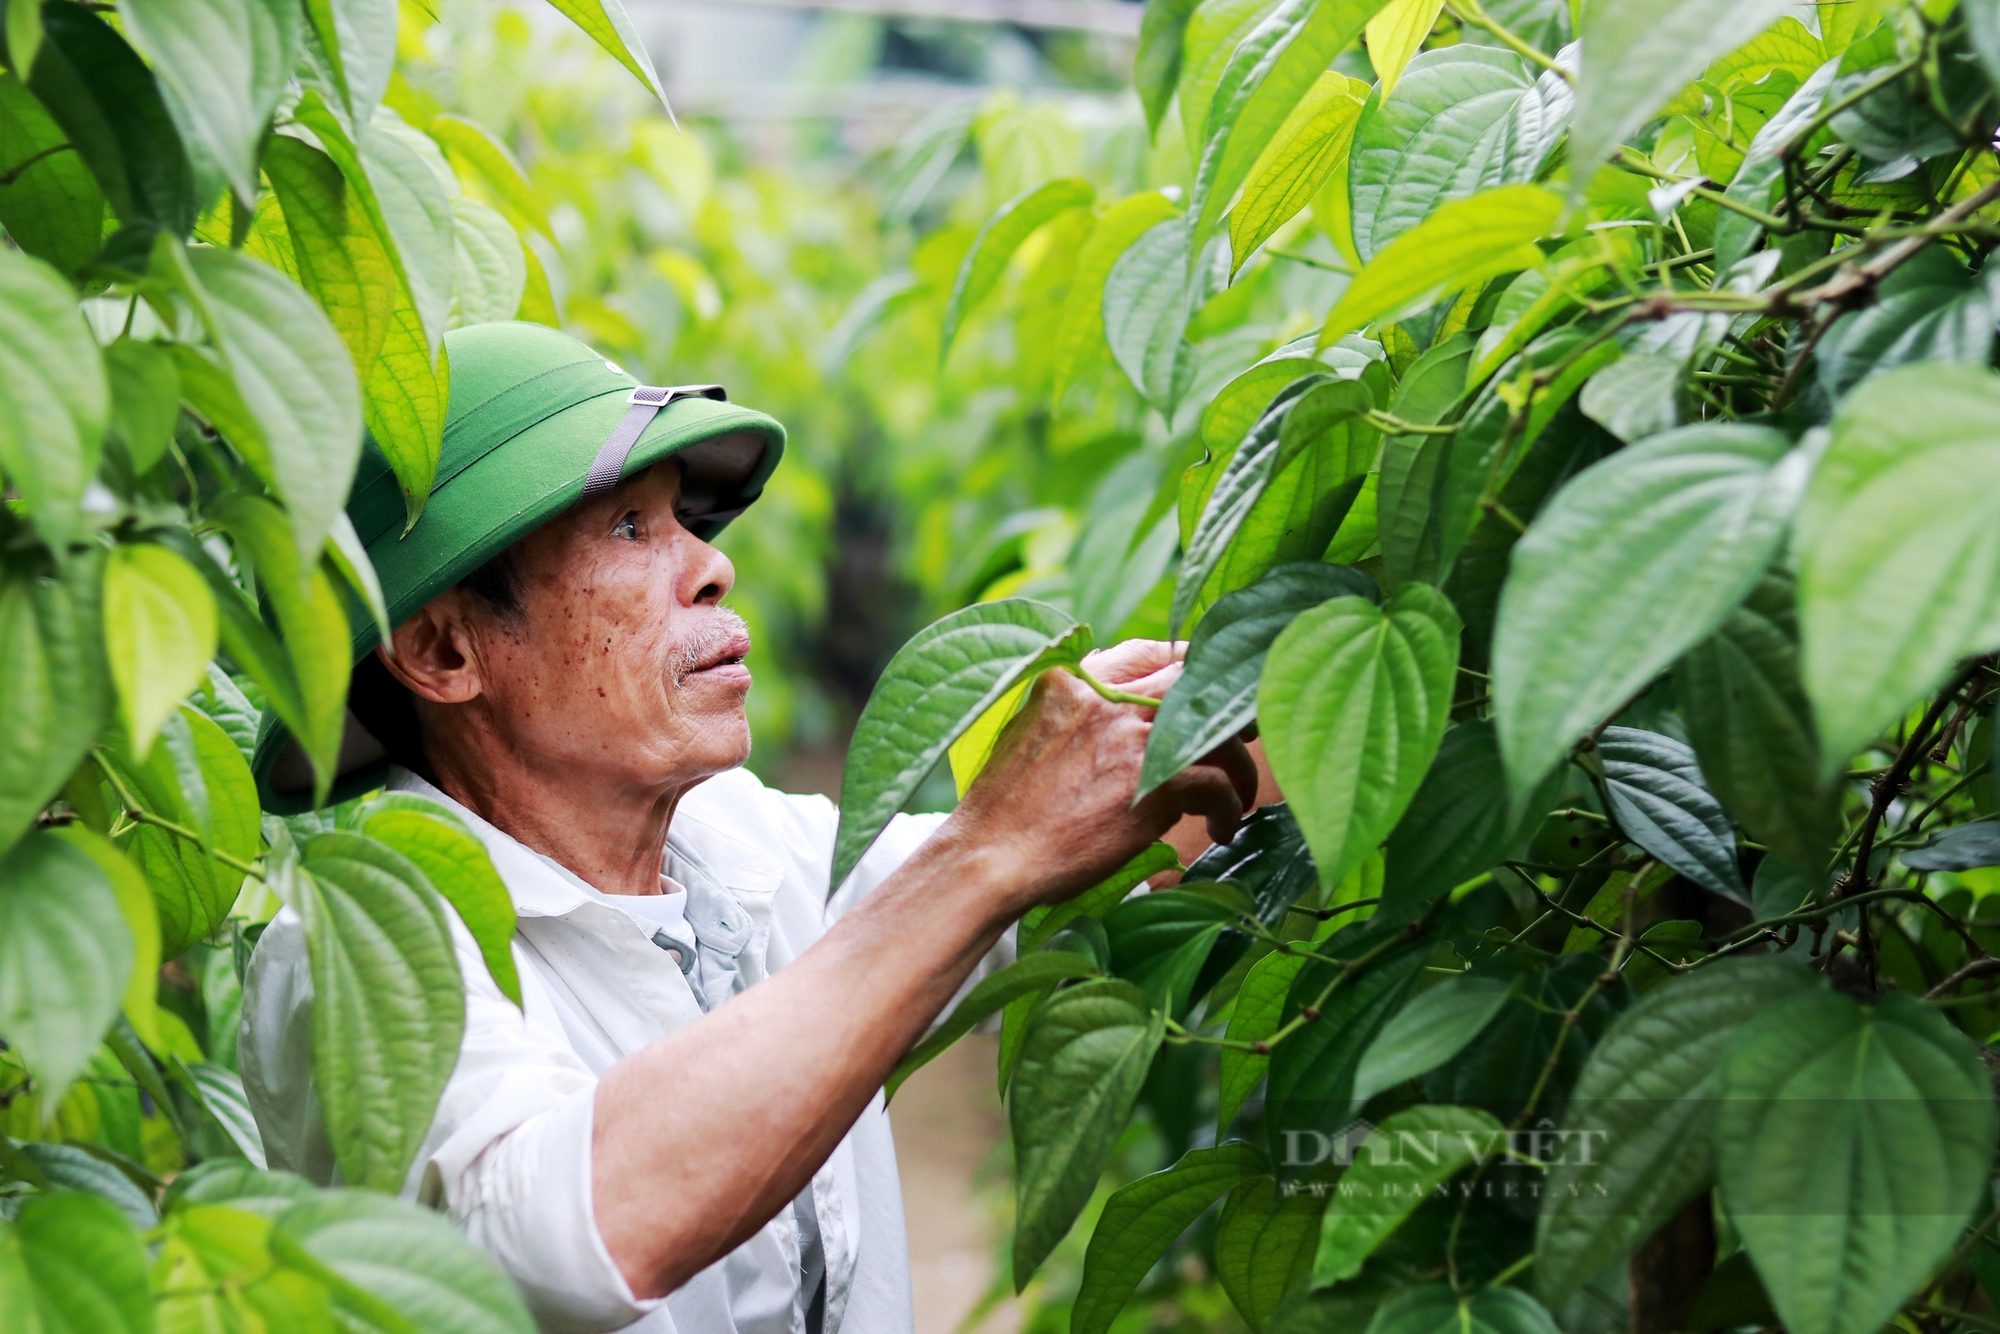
x,y
435,654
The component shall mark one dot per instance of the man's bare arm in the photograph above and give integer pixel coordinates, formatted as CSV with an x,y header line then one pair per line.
x,y
706,1134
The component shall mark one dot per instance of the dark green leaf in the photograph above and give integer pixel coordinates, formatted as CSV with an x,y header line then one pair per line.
x,y
949,673
51,205
1142,1219
1751,725
1636,396
1459,824
1488,1310
1353,703
1406,497
222,66
1854,1142
1634,562
55,690
1645,1105
1379,1190
1929,310
1430,1030
67,1167
1027,976
1081,1065
1654,787
105,99
1259,1009
1897,556
1267,859
1502,1070
388,1002
394,1266
72,1264
219,1092
1960,849
1264,1244
1462,119
1159,940
145,399
1040,925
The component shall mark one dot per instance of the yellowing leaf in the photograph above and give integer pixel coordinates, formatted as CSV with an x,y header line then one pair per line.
x,y
1396,34
159,633
1301,158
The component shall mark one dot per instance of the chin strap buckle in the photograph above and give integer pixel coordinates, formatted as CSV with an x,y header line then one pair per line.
x,y
647,402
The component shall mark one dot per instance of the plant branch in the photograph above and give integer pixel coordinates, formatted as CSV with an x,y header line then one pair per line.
x,y
1470,12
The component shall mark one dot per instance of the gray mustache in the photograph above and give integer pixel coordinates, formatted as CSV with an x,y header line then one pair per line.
x,y
715,632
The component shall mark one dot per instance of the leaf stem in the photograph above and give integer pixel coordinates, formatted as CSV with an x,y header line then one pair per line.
x,y
139,815
1112,693
1471,12
1389,424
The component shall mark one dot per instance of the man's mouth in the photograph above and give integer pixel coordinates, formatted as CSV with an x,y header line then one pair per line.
x,y
717,656
729,654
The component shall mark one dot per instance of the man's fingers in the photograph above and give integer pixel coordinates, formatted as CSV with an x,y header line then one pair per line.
x,y
1233,758
1129,661
1205,790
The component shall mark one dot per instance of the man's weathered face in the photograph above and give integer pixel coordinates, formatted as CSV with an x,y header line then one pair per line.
x,y
622,658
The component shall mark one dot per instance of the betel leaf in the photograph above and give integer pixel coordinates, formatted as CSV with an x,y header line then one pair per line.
x,y
1463,119
1307,150
1283,495
475,151
218,1091
1960,849
1213,33
606,23
1267,860
491,267
1026,976
1353,704
393,1265
1396,34
281,380
55,689
196,777
1156,66
50,205
1143,1218
101,93
1080,332
1160,940
1654,787
1751,725
1085,1055
998,238
1854,1143
1928,310
1643,1115
1637,54
1312,1072
1146,310
1492,1309
310,613
1635,561
1899,569
65,953
1264,1243
932,690
1259,1008
222,66
145,399
1039,925
1400,1164
1268,73
1636,397
53,414
1459,824
1430,1030
159,633
73,1262
1406,508
67,1167
457,866
135,902
1763,166
388,1002
1460,245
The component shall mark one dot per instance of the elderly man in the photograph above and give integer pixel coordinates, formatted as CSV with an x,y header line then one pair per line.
x,y
683,1128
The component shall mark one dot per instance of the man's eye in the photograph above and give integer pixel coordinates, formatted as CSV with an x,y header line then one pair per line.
x,y
628,527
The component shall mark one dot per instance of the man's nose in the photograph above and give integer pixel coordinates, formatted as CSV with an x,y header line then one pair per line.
x,y
706,576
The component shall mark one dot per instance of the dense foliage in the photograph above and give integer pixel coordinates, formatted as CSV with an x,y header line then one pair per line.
x,y
1565,447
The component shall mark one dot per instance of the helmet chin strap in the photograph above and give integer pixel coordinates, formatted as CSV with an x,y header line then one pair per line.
x,y
647,402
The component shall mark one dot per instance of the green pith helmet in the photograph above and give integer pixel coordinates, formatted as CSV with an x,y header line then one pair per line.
x,y
533,415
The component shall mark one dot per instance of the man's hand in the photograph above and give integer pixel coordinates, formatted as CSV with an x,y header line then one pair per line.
x,y
1058,789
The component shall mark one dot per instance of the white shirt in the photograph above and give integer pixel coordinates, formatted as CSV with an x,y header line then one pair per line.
x,y
508,1155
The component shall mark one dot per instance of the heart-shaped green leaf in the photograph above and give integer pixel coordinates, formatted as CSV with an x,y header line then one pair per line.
x,y
1085,1055
1654,788
932,690
65,953
54,209
1438,1310
53,414
1080,332
1434,1027
1854,1143
457,866
1024,977
1644,1105
1352,705
1400,1164
1142,1219
55,690
160,632
1459,824
1630,565
1264,1243
72,1261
